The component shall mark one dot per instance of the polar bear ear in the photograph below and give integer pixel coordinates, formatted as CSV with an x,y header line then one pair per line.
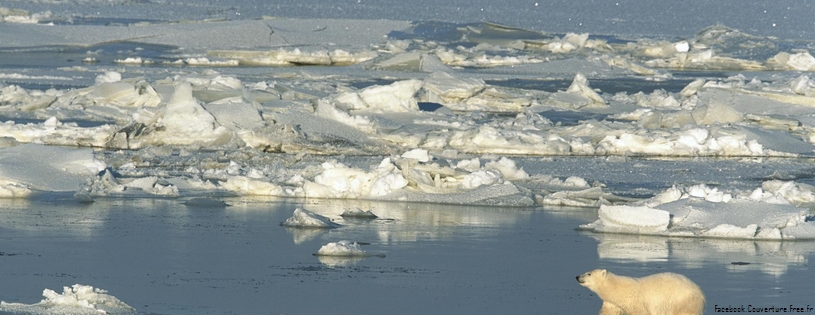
x,y
602,272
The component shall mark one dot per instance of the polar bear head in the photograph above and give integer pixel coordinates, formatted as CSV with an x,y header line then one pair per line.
x,y
591,279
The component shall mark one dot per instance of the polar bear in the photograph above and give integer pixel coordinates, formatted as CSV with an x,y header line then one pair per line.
x,y
659,294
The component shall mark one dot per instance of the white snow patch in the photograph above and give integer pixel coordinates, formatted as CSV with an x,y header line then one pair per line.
x,y
705,212
76,299
307,219
481,178
631,219
244,185
342,249
186,122
417,154
108,77
49,168
507,168
340,181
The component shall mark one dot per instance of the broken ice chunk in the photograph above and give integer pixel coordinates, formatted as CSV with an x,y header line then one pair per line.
x,y
76,299
342,248
417,154
629,219
578,95
358,213
307,219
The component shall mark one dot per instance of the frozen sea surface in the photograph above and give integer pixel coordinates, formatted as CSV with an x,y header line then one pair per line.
x,y
786,19
150,150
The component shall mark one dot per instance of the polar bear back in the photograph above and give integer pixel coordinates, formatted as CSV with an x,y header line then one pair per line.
x,y
672,293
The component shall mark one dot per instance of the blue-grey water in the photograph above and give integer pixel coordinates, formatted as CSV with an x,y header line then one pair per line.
x,y
163,257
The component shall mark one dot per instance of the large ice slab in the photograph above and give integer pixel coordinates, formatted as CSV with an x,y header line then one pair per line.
x,y
46,168
703,212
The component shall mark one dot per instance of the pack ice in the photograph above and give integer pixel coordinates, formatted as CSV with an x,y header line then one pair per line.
x,y
386,111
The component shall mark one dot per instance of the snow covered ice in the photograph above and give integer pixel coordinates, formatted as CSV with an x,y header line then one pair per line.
x,y
342,249
659,121
76,299
358,213
767,213
237,116
307,219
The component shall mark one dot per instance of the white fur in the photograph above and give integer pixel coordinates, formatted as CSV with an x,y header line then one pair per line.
x,y
658,294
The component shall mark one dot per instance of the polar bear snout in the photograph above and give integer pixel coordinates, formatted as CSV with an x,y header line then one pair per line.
x,y
582,279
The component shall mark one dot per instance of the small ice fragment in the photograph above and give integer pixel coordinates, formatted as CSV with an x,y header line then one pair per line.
x,y
580,85
692,88
417,154
396,97
51,122
449,89
471,165
698,191
682,46
800,85
14,190
358,213
307,219
76,299
575,181
507,168
480,178
108,77
83,197
342,249
716,112
801,61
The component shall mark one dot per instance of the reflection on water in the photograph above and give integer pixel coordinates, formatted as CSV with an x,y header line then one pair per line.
x,y
22,215
167,257
769,257
339,261
304,235
14,203
409,222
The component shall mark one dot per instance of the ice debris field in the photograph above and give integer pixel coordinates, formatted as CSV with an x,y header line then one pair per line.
x,y
174,100
404,111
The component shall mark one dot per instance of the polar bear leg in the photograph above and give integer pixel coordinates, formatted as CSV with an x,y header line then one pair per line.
x,y
610,309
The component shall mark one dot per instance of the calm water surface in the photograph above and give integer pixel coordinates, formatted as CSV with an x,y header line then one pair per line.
x,y
163,257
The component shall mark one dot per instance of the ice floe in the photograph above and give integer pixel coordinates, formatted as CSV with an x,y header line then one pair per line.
x,y
589,197
358,213
767,213
283,57
342,249
343,253
307,219
76,299
10,15
35,167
